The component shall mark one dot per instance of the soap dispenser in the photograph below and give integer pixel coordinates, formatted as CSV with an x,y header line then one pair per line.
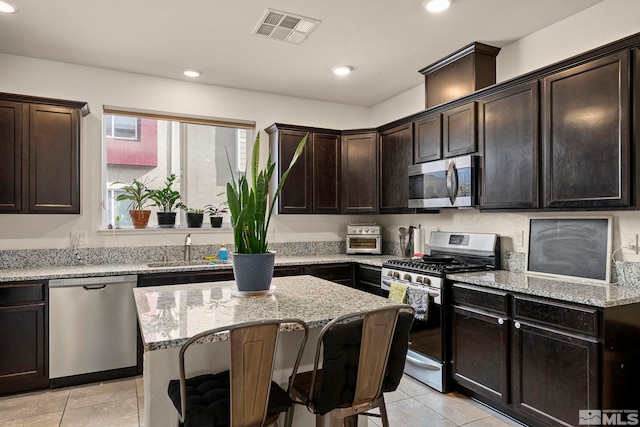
x,y
223,253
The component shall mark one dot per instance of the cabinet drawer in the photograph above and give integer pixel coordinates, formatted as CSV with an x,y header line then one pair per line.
x,y
21,293
333,272
370,275
479,297
557,315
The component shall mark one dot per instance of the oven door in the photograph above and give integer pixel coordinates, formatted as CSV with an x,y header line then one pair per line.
x,y
426,335
362,244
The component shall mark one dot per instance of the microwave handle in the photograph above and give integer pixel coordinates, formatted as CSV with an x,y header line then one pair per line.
x,y
452,182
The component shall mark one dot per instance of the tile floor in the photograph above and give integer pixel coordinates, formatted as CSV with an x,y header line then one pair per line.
x,y
120,402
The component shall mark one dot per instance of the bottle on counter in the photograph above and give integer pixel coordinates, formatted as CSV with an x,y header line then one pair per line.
x,y
223,253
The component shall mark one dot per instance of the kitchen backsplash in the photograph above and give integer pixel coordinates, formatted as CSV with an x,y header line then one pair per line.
x,y
626,273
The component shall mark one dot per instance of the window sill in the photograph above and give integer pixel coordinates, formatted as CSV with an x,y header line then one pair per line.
x,y
226,228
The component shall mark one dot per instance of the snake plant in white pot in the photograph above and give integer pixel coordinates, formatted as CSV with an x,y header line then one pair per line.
x,y
250,217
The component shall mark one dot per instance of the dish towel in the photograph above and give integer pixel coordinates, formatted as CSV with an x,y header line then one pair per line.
x,y
419,300
398,293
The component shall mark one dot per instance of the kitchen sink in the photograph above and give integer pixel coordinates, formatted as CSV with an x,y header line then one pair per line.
x,y
179,263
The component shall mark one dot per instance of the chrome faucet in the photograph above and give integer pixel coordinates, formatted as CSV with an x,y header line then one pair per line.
x,y
187,247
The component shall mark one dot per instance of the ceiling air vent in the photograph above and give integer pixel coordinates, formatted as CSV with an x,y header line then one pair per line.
x,y
285,26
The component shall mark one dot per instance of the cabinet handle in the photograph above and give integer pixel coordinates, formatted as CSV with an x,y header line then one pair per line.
x,y
517,325
500,321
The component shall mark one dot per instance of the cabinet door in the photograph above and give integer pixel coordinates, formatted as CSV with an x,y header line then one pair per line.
x,y
54,159
459,130
23,338
295,196
554,375
326,173
339,273
359,173
396,155
368,279
11,156
508,134
427,142
480,351
586,135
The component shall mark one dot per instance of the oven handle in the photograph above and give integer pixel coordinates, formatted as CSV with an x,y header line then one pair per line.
x,y
422,364
434,294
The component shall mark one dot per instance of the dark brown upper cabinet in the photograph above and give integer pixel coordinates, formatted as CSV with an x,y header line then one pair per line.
x,y
459,130
360,172
396,155
463,72
509,140
313,185
40,154
427,142
586,135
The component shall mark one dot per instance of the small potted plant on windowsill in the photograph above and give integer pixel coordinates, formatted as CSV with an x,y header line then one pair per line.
x,y
215,213
194,217
139,196
166,200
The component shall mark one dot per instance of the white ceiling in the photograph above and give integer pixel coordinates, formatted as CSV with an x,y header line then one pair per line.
x,y
386,41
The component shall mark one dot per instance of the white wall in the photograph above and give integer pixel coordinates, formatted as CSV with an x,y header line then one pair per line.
x,y
105,87
604,22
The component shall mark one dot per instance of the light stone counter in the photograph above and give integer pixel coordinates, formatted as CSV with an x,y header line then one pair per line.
x,y
593,294
92,270
169,315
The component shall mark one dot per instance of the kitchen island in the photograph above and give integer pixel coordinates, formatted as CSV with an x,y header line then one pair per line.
x,y
170,315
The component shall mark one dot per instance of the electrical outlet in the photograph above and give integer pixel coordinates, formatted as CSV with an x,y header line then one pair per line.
x,y
78,238
629,243
518,238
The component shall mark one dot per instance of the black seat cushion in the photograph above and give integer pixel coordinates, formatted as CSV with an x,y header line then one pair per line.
x,y
340,362
208,399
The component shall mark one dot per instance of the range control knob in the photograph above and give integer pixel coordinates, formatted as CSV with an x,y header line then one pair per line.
x,y
396,275
426,281
407,277
419,279
366,230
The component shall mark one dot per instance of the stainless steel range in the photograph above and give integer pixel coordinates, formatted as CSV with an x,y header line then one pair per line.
x,y
450,252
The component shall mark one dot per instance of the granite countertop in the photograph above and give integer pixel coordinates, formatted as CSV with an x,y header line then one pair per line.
x,y
89,270
593,294
169,315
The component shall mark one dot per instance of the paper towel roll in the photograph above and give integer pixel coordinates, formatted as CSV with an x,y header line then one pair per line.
x,y
418,241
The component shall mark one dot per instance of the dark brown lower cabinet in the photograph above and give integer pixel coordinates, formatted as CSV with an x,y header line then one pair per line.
x,y
543,361
368,278
23,337
480,342
555,374
339,273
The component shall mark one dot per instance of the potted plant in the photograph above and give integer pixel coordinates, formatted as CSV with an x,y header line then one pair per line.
x,y
166,200
215,213
139,196
250,216
194,217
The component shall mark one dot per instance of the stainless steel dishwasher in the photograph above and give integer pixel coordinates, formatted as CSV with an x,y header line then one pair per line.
x,y
92,325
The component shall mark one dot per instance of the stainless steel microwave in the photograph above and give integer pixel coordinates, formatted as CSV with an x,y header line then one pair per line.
x,y
448,183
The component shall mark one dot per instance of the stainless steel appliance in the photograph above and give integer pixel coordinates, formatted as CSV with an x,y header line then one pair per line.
x,y
443,183
92,325
428,356
364,238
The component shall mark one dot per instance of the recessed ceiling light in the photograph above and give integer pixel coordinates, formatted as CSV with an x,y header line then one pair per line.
x,y
192,73
436,6
7,7
342,70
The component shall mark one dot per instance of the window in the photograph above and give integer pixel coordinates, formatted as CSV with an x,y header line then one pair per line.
x,y
122,127
194,149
